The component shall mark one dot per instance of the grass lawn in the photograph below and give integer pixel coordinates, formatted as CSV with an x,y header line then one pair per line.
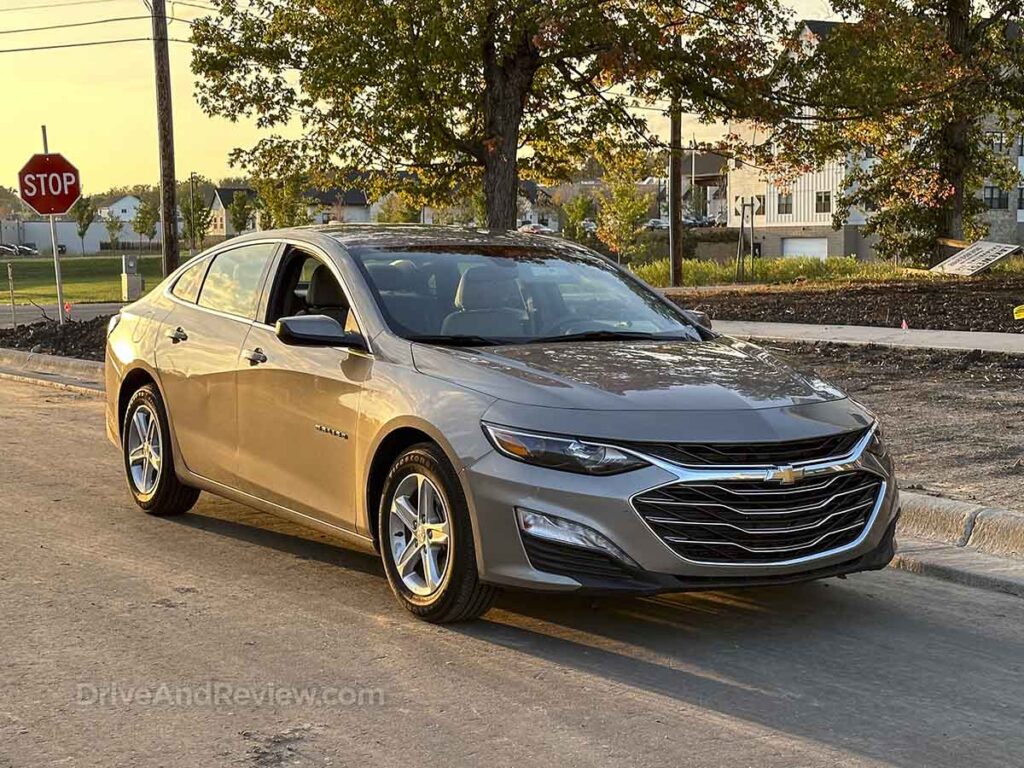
x,y
86,278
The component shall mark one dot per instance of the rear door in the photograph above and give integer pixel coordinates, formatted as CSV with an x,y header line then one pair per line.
x,y
198,352
298,406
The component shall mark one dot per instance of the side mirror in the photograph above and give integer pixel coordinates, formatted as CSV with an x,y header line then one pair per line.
x,y
316,331
700,318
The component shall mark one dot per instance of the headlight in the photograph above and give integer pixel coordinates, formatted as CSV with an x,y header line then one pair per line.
x,y
876,444
564,453
112,323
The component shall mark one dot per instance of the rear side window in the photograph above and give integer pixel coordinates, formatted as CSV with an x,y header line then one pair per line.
x,y
232,284
187,286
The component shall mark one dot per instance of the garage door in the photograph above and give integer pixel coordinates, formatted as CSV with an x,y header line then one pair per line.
x,y
805,246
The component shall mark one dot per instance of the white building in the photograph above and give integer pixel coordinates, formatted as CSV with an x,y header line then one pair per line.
x,y
124,208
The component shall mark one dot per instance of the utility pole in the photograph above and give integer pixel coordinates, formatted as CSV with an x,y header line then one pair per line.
x,y
165,132
192,213
675,185
693,178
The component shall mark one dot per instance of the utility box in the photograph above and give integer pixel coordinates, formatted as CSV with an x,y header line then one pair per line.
x,y
132,285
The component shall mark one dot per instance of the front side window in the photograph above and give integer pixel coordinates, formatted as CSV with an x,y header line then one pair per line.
x,y
233,281
186,287
823,202
513,294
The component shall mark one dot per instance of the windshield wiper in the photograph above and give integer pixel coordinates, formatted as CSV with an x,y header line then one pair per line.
x,y
458,341
609,335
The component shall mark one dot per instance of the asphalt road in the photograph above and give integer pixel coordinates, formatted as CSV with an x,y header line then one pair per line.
x,y
29,313
99,603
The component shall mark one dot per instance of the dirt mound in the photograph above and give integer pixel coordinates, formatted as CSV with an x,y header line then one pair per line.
x,y
85,339
983,304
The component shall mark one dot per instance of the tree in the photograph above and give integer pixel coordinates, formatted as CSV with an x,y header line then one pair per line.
x,y
195,219
910,93
575,211
114,226
282,202
146,218
240,212
83,212
433,97
398,209
623,207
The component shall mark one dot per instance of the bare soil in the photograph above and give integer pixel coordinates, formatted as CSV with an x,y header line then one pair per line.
x,y
953,304
84,339
953,420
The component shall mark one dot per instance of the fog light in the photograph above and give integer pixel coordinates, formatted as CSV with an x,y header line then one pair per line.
x,y
565,531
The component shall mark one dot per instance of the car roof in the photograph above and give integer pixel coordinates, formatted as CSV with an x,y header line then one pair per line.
x,y
396,236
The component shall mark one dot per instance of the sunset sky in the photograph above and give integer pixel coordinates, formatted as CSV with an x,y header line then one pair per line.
x,y
98,102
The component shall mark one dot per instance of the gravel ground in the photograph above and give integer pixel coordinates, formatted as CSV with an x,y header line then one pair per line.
x,y
976,304
954,420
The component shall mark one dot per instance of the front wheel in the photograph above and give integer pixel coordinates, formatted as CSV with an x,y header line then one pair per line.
x,y
426,539
148,458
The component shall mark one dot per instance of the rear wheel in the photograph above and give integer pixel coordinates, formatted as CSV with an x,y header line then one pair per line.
x,y
148,458
426,539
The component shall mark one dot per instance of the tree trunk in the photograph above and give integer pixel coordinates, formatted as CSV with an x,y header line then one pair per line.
x,y
506,85
956,132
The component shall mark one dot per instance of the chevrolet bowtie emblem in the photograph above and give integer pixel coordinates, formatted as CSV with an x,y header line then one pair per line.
x,y
785,475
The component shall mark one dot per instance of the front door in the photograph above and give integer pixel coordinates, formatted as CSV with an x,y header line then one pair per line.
x,y
198,351
298,406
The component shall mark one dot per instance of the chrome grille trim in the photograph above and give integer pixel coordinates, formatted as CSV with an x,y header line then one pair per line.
x,y
757,531
769,549
786,511
828,470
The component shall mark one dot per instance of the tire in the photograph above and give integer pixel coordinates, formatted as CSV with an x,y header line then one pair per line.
x,y
457,593
154,486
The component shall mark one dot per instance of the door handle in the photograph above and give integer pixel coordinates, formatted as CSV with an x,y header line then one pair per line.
x,y
177,335
254,356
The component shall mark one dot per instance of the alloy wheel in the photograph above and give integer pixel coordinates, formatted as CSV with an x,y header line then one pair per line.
x,y
419,526
145,450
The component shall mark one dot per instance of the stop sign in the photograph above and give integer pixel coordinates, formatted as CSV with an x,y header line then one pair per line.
x,y
49,184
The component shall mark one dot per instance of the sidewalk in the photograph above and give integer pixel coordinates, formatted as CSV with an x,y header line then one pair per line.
x,y
1012,343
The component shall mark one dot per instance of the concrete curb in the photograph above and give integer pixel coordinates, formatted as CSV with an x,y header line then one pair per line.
x,y
36,362
960,524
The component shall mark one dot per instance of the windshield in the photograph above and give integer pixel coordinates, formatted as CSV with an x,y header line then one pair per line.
x,y
477,295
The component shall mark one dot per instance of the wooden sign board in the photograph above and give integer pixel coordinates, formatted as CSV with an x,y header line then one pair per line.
x,y
975,258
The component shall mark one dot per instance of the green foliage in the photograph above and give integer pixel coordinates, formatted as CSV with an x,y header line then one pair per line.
x,y
83,212
282,202
435,98
396,208
701,272
240,212
916,85
114,226
196,219
146,218
623,208
574,212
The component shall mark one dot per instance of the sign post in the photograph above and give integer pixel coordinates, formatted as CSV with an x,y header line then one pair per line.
x,y
10,287
50,185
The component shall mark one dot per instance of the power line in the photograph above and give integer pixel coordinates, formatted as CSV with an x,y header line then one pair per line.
x,y
56,5
86,24
83,45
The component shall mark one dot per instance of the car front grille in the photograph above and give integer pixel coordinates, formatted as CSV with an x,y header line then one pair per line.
x,y
576,562
751,454
759,523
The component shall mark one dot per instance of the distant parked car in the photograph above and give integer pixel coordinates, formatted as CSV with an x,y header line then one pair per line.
x,y
27,250
536,229
656,224
62,249
6,249
589,226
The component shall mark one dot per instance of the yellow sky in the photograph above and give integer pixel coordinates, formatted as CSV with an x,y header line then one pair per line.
x,y
98,102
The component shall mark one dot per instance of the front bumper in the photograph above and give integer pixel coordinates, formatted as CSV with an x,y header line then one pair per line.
x,y
498,485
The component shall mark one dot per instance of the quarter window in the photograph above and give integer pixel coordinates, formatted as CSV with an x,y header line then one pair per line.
x,y
823,202
233,283
187,286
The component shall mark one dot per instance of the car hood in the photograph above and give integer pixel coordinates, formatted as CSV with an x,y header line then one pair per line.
x,y
718,374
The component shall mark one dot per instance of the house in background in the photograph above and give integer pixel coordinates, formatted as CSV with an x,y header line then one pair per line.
x,y
220,216
122,208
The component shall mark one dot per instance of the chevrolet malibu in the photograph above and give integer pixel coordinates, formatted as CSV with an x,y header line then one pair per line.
x,y
489,410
